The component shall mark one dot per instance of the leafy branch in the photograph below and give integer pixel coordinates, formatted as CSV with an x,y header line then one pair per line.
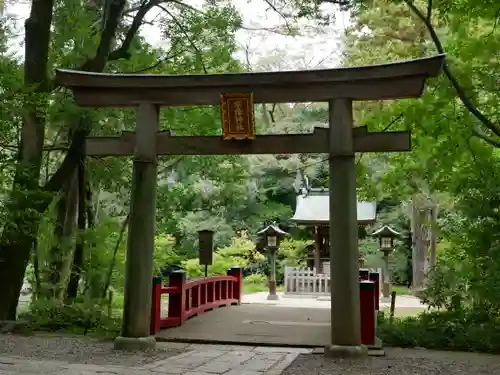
x,y
494,128
158,62
282,15
104,54
189,39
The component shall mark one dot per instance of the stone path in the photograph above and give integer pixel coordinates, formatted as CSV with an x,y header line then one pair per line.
x,y
194,360
260,298
228,360
298,321
256,324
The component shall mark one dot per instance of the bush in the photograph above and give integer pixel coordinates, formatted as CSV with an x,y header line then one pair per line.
x,y
255,279
465,330
446,288
255,283
52,315
293,252
164,253
241,252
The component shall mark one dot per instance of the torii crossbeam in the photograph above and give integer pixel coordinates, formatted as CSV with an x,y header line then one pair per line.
x,y
314,143
338,87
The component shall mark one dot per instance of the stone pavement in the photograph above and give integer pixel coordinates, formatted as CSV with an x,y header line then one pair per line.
x,y
255,324
195,360
298,321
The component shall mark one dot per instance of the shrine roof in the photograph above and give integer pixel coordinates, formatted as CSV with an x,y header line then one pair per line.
x,y
404,79
314,209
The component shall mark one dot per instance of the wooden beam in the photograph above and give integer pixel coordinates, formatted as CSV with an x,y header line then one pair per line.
x,y
376,82
313,143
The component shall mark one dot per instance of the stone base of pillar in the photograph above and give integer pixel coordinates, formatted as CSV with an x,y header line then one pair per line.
x,y
345,351
135,343
273,297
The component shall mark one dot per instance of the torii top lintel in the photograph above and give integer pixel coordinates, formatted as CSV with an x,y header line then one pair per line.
x,y
376,82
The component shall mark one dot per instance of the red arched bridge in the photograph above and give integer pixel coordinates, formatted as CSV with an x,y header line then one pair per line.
x,y
190,298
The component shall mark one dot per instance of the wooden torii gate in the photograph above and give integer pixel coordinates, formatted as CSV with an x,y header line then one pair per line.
x,y
236,93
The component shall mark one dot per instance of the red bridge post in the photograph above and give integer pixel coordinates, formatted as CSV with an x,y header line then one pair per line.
x,y
236,272
367,304
364,274
375,278
177,301
156,305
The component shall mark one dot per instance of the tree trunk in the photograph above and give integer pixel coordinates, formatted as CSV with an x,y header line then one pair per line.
x,y
77,264
409,258
419,241
112,264
88,206
18,236
317,249
36,270
433,235
25,211
65,225
93,285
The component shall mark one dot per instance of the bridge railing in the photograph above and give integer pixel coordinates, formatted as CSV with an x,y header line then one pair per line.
x,y
187,298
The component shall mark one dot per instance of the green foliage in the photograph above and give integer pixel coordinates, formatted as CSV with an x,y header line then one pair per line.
x,y
255,283
464,330
239,253
469,8
80,316
446,288
164,253
467,274
255,279
292,252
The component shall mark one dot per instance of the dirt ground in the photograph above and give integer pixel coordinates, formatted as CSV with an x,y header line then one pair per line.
x,y
399,362
77,349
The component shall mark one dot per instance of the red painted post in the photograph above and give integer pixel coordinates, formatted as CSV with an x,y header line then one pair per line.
x,y
364,274
177,301
237,272
367,304
156,305
375,278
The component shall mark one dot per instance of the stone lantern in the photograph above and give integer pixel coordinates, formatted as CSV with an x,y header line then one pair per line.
x,y
206,245
386,237
361,260
271,237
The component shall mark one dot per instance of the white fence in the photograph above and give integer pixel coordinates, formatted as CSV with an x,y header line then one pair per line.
x,y
306,281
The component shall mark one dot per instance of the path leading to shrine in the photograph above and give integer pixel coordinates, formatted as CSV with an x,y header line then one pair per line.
x,y
299,322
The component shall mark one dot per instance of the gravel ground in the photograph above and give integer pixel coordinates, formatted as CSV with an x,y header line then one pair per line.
x,y
399,362
78,350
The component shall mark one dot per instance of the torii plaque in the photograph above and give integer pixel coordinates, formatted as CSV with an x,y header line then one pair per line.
x,y
237,114
338,87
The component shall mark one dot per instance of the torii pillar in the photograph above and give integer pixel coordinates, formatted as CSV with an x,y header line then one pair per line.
x,y
141,234
344,280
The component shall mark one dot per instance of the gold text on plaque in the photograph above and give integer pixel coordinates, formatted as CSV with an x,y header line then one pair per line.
x,y
237,115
